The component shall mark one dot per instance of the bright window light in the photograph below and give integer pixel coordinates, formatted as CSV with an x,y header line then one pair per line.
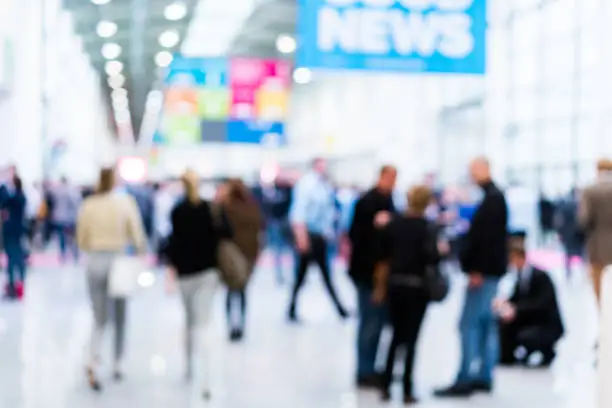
x,y
116,81
111,51
175,11
100,2
302,76
163,59
285,44
169,39
113,68
106,29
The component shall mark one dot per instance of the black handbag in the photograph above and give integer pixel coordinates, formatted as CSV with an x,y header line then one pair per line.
x,y
436,282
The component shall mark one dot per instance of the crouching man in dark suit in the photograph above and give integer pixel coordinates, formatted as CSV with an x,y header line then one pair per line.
x,y
530,319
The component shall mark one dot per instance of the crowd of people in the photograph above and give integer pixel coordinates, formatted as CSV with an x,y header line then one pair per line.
x,y
397,256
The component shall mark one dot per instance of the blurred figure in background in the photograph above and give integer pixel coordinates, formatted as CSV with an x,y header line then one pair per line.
x,y
596,219
363,234
13,208
408,246
247,223
66,202
312,221
192,254
569,229
107,224
484,258
530,321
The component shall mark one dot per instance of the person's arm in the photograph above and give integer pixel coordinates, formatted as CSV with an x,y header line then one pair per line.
x,y
82,228
383,252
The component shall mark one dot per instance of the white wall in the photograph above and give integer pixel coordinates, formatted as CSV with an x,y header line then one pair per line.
x,y
76,114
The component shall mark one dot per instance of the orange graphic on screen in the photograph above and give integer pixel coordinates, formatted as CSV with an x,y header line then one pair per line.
x,y
181,101
271,105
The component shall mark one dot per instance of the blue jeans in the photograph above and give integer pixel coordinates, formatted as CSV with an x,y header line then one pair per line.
x,y
372,319
479,334
15,254
66,236
278,244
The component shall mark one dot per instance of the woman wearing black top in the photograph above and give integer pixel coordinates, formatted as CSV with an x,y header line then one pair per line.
x,y
192,252
407,247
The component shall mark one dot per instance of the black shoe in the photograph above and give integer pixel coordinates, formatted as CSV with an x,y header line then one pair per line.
x,y
293,316
234,335
455,391
343,313
481,386
410,400
118,376
369,382
94,384
385,396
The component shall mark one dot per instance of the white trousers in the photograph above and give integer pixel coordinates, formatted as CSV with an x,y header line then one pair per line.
x,y
198,293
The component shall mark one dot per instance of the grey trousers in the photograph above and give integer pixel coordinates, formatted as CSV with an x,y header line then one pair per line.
x,y
198,293
99,265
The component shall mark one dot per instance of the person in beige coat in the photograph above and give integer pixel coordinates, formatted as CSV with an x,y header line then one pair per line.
x,y
595,214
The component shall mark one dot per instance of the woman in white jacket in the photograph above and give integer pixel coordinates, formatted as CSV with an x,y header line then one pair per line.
x,y
108,223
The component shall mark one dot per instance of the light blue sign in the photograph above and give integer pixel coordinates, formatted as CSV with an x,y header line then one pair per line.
x,y
428,36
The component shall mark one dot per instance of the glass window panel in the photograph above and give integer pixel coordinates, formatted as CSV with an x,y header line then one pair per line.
x,y
588,142
522,147
526,71
586,174
591,49
588,12
591,95
525,107
556,143
558,62
557,104
557,181
499,10
526,32
559,19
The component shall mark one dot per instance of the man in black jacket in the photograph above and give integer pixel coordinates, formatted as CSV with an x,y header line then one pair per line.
x,y
484,258
530,319
370,210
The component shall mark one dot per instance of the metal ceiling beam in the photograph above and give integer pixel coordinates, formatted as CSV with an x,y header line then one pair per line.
x,y
138,97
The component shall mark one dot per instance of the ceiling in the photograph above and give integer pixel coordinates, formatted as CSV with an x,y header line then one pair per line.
x,y
208,28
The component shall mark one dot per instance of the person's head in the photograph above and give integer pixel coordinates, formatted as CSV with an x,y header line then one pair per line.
x,y
17,183
236,191
191,186
480,170
319,165
106,181
419,198
64,180
387,179
518,255
604,167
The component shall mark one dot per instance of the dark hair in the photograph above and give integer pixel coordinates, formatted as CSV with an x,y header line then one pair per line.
x,y
106,181
386,169
238,191
18,184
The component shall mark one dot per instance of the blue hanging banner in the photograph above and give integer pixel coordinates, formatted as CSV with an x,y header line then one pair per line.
x,y
421,36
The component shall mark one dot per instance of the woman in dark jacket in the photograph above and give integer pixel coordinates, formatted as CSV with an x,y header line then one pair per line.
x,y
247,222
192,253
408,247
13,233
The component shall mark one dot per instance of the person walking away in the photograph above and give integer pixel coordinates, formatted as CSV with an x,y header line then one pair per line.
x,y
63,217
569,229
363,234
247,223
107,224
407,248
192,255
485,259
13,235
595,215
312,220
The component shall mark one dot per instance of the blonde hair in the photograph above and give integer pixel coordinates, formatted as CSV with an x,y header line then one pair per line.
x,y
604,165
419,198
106,180
191,185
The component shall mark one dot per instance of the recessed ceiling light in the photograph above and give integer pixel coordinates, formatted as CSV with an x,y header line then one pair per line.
x,y
302,76
163,59
285,44
106,29
113,68
119,94
169,39
111,51
175,11
100,2
116,81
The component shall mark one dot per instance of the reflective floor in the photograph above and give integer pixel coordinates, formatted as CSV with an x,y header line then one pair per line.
x,y
43,339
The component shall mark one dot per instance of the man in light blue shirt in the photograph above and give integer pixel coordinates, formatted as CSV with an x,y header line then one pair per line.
x,y
312,221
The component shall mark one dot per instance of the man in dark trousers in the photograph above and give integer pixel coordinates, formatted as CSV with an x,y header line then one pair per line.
x,y
363,234
530,319
484,258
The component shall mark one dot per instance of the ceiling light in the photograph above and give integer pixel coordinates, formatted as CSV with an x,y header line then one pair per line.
x,y
119,94
113,68
169,39
100,2
163,58
116,81
120,104
302,76
106,29
285,44
111,51
175,11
